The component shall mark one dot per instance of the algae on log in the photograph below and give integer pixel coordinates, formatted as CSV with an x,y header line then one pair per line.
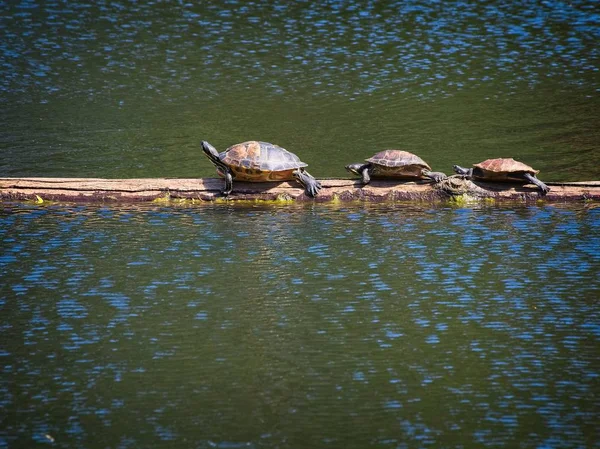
x,y
208,189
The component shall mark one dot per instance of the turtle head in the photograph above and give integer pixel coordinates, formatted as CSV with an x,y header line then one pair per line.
x,y
355,169
210,151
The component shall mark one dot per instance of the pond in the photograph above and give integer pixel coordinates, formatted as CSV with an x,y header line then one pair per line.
x,y
319,325
300,326
129,89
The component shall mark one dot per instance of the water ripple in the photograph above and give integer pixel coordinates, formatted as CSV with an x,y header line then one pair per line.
x,y
300,331
329,48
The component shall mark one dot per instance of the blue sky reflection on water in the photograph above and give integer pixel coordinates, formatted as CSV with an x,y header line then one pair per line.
x,y
430,49
465,327
104,89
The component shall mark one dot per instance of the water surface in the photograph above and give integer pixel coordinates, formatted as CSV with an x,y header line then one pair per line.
x,y
304,325
324,326
124,89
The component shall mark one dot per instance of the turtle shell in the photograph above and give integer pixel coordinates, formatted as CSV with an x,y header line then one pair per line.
x,y
397,164
501,169
260,161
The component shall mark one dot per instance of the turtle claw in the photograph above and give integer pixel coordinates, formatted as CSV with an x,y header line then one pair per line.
x,y
544,189
228,183
313,190
312,187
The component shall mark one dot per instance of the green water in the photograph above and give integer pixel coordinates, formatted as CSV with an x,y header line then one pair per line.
x,y
387,326
294,326
122,90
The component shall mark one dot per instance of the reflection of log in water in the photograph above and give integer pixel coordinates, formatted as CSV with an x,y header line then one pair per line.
x,y
208,189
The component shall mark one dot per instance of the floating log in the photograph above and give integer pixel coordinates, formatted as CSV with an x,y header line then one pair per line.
x,y
208,189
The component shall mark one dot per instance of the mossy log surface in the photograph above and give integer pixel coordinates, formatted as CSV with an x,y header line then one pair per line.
x,y
208,189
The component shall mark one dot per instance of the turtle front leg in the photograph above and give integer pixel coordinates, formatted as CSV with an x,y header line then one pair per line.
x,y
366,174
310,184
532,179
468,172
228,182
435,176
362,170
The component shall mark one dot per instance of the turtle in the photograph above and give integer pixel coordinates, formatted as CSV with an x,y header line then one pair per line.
x,y
394,164
503,170
257,161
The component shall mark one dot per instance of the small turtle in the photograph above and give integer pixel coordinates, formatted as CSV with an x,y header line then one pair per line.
x,y
259,162
503,170
395,164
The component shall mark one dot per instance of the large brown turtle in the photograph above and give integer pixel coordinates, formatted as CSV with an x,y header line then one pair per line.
x,y
394,164
503,170
259,162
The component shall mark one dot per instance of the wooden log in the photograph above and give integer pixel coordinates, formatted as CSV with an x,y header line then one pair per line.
x,y
208,189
